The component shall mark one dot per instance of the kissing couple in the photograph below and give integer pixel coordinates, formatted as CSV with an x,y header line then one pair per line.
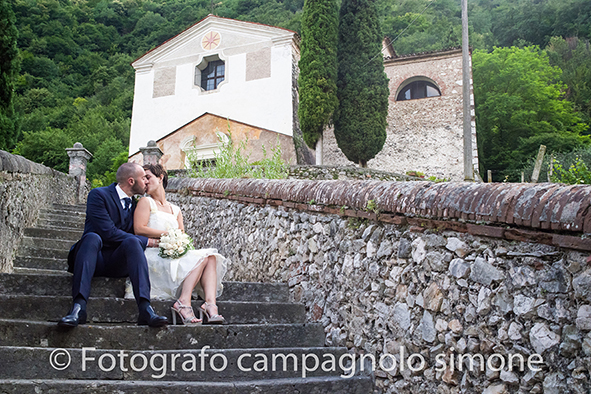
x,y
121,239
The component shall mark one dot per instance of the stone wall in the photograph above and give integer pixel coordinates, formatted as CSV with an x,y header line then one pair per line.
x,y
423,135
331,172
25,188
349,172
430,270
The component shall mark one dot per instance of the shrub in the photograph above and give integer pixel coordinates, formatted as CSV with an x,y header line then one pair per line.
x,y
232,161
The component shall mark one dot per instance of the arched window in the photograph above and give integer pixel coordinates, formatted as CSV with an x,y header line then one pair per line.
x,y
210,73
417,88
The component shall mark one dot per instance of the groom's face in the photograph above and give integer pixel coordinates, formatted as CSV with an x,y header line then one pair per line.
x,y
140,182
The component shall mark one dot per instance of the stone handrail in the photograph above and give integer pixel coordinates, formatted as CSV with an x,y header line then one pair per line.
x,y
27,187
546,213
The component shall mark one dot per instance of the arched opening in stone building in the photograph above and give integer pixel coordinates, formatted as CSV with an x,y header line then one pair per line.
x,y
417,88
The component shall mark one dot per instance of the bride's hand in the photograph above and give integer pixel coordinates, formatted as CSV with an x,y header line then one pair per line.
x,y
153,242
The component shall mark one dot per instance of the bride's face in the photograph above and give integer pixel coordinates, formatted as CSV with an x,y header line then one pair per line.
x,y
153,182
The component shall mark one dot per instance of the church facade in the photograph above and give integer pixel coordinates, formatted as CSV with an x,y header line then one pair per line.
x,y
219,79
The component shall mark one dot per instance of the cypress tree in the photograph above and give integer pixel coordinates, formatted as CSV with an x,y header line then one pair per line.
x,y
318,68
362,85
8,72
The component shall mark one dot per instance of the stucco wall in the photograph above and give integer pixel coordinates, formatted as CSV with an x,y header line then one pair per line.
x,y
204,131
415,272
26,188
423,135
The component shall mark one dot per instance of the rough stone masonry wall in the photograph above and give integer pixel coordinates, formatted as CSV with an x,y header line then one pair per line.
x,y
423,135
330,172
438,270
25,188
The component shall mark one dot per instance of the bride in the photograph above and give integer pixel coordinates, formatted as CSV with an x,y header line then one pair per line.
x,y
176,278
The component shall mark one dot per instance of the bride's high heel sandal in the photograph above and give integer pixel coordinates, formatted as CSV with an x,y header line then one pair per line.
x,y
188,320
211,319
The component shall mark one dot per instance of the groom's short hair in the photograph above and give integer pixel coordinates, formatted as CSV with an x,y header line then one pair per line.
x,y
126,171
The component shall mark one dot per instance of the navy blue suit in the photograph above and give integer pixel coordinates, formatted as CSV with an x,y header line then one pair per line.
x,y
108,246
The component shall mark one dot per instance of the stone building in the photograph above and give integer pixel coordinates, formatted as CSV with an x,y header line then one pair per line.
x,y
425,131
222,74
219,74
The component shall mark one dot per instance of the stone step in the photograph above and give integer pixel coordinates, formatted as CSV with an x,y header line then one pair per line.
x,y
75,208
132,337
53,233
61,227
38,251
61,285
69,217
62,215
37,242
118,310
60,223
313,385
241,364
43,263
56,285
37,271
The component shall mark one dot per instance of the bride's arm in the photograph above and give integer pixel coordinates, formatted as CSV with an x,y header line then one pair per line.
x,y
179,219
141,218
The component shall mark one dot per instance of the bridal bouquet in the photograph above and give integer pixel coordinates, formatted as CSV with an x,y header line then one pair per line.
x,y
175,244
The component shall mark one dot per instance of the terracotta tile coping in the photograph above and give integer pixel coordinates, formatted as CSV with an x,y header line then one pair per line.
x,y
544,213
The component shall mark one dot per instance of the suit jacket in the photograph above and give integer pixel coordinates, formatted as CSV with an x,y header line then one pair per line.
x,y
106,217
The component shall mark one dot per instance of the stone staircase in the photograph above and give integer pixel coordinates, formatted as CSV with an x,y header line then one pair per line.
x,y
112,354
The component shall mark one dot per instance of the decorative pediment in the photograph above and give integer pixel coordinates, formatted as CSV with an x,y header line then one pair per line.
x,y
214,34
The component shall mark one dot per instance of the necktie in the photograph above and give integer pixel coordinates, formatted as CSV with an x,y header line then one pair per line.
x,y
127,203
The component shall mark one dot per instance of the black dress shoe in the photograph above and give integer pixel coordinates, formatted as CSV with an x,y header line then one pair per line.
x,y
148,317
76,316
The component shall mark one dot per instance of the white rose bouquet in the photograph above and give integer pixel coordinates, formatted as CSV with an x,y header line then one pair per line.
x,y
175,244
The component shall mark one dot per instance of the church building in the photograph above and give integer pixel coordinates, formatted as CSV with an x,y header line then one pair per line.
x,y
223,78
424,131
219,75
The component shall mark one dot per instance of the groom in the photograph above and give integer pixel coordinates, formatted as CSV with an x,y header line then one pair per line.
x,y
109,248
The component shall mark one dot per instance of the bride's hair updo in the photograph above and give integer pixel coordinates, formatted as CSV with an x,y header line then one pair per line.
x,y
158,170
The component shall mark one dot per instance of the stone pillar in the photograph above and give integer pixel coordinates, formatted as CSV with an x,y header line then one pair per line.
x,y
78,159
151,153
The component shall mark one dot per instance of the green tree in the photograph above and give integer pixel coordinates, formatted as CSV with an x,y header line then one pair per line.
x,y
519,105
47,147
421,25
8,73
573,56
362,85
318,68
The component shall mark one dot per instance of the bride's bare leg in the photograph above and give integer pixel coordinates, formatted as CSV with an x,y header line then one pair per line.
x,y
209,285
188,285
209,280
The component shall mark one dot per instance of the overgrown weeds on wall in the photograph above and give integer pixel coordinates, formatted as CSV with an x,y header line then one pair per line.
x,y
232,161
577,173
567,167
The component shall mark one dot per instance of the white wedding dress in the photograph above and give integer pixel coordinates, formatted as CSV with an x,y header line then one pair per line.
x,y
167,275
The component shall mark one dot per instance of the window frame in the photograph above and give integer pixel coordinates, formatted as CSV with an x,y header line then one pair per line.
x,y
202,66
406,85
217,79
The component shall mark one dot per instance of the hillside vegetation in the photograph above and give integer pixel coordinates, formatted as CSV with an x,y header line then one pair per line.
x,y
76,82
